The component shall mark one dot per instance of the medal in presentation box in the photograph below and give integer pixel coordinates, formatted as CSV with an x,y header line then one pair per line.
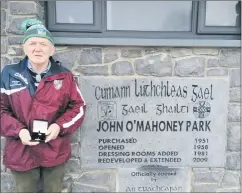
x,y
39,129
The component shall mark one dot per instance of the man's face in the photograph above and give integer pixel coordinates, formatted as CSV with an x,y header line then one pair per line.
x,y
38,50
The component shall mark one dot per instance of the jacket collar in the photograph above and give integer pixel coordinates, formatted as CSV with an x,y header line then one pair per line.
x,y
30,67
55,71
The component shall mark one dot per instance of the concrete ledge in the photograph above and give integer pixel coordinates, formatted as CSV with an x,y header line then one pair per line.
x,y
147,42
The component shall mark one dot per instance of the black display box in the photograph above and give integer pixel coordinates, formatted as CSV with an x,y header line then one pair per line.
x,y
39,129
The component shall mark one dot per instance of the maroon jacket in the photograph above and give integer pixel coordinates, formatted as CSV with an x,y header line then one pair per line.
x,y
57,100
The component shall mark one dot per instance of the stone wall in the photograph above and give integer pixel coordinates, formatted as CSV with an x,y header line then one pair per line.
x,y
133,61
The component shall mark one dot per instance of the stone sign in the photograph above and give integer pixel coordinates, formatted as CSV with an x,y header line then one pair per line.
x,y
154,180
133,122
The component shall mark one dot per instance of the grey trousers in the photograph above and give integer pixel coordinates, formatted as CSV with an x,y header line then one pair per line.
x,y
47,180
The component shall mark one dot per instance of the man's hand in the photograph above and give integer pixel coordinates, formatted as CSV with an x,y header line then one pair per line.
x,y
52,132
25,137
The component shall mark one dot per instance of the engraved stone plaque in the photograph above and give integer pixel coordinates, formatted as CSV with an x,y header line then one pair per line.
x,y
154,180
133,122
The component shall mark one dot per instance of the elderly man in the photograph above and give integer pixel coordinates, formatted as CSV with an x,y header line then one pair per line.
x,y
41,106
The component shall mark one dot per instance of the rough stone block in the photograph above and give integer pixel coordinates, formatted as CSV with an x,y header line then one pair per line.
x,y
235,78
93,70
208,177
131,52
190,67
75,137
4,4
212,63
4,61
161,65
152,50
15,40
231,179
15,25
217,72
3,141
67,58
3,168
4,44
67,184
15,51
233,161
73,165
122,68
234,95
77,187
16,59
234,112
205,51
40,11
75,150
154,65
60,48
41,3
230,57
66,188
142,67
152,59
3,21
68,178
110,54
8,170
7,183
99,178
233,136
90,56
181,52
23,8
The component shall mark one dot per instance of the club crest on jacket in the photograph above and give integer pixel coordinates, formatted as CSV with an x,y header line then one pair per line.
x,y
58,84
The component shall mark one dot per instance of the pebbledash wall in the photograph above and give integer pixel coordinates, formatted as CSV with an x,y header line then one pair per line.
x,y
104,61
